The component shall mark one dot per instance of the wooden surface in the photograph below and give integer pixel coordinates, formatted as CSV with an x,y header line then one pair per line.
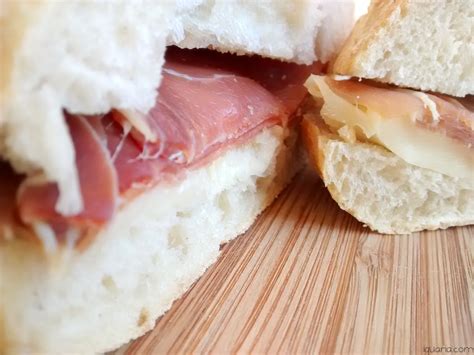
x,y
308,278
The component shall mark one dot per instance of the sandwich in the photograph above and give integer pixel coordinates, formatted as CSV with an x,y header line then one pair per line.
x,y
391,129
135,138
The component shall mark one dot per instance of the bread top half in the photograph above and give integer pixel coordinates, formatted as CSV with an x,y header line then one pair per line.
x,y
425,45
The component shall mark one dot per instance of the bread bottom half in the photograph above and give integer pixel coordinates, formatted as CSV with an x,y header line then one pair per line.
x,y
383,191
149,255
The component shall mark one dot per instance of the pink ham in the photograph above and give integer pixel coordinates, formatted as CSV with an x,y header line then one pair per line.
x,y
211,96
135,166
455,119
283,80
222,105
202,108
9,183
98,181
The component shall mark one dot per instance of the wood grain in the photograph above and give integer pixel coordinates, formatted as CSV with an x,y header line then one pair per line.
x,y
308,278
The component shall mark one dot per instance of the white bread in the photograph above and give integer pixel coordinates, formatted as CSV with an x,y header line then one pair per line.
x,y
90,56
152,251
426,45
297,31
383,191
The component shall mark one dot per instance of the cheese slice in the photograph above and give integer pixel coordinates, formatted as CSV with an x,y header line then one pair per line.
x,y
423,146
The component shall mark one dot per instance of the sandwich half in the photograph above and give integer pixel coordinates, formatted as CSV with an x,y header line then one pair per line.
x,y
398,159
127,160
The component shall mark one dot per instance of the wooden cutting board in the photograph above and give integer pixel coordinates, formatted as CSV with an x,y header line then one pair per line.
x,y
308,278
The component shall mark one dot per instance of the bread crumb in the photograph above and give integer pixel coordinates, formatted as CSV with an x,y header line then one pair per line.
x,y
342,77
347,134
143,318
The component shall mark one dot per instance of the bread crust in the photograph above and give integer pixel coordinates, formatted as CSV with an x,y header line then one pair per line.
x,y
364,33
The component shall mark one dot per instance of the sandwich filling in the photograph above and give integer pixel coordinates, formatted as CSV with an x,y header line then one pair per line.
x,y
207,102
430,131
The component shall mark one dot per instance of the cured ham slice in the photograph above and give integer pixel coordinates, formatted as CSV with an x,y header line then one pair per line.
x,y
429,131
438,113
283,80
136,166
9,183
202,108
98,181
